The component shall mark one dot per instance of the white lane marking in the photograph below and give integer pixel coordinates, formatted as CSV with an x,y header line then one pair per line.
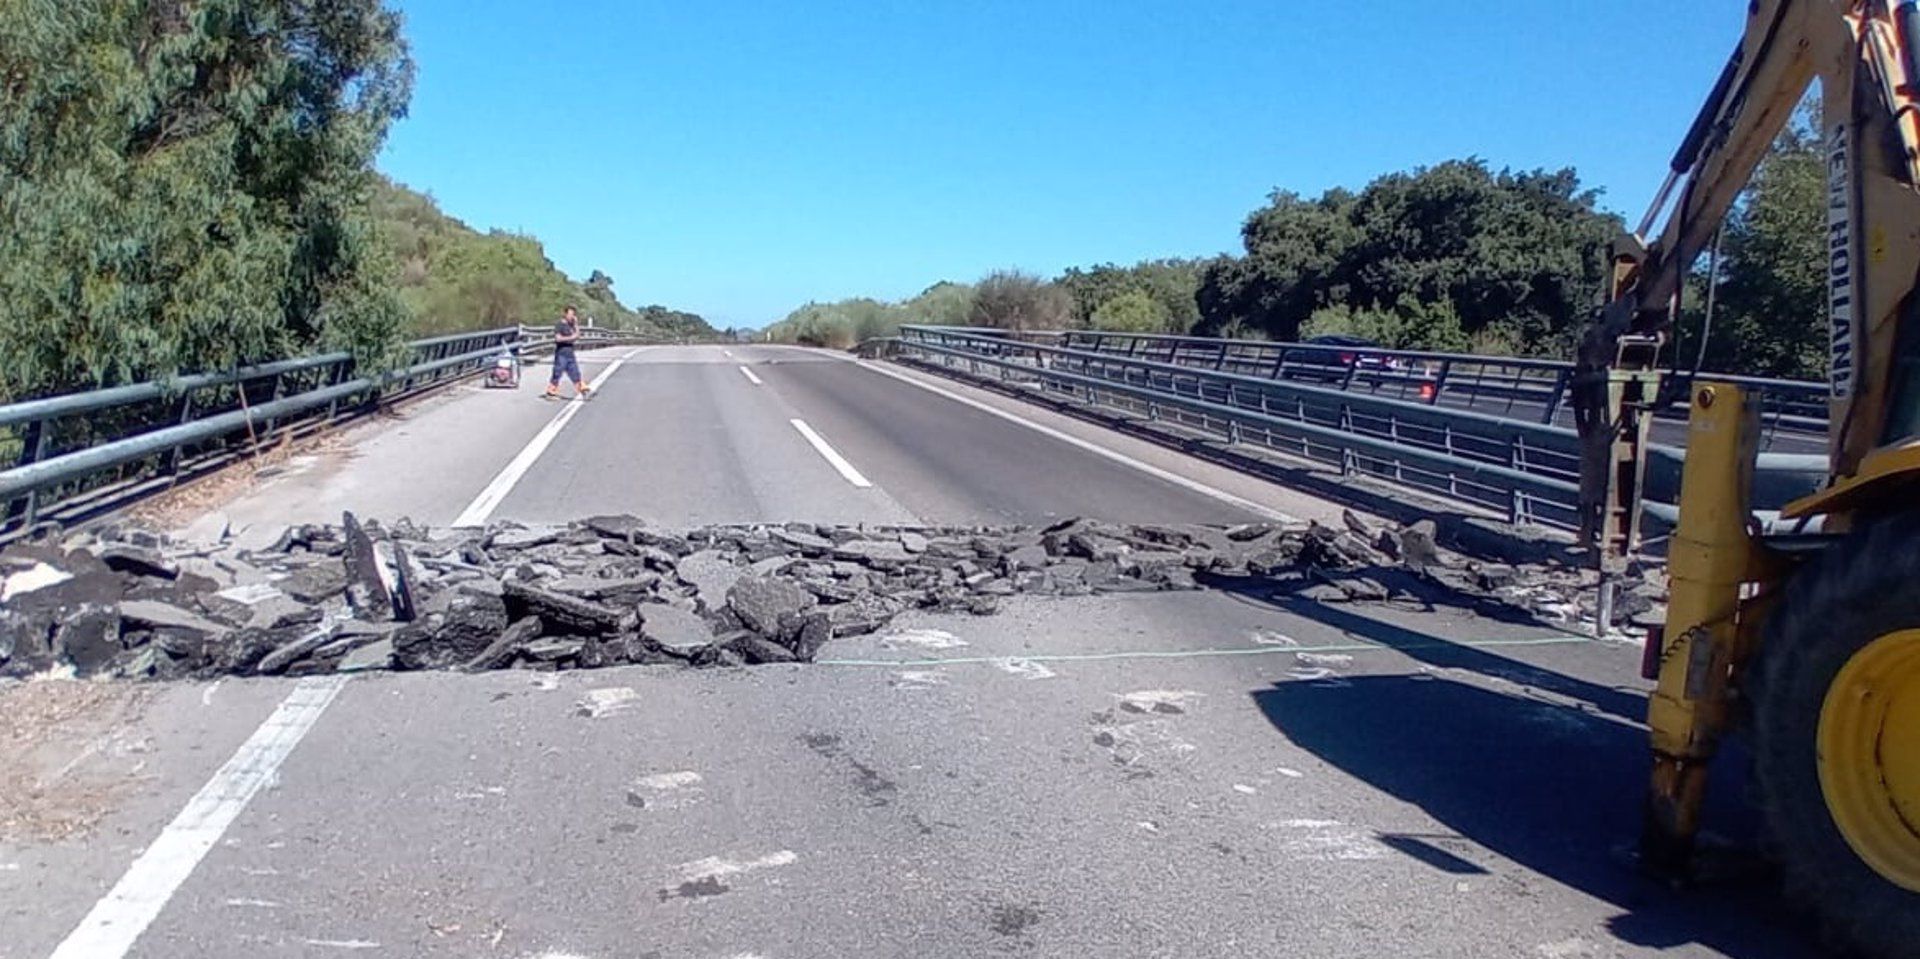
x,y
490,498
728,353
923,638
1327,840
1091,447
343,943
1026,668
607,701
1167,701
749,375
714,867
831,455
920,678
109,930
665,781
1324,659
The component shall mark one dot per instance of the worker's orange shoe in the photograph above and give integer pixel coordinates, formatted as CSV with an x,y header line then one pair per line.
x,y
582,390
552,393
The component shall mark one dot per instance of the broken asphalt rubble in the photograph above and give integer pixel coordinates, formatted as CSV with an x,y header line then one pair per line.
x,y
610,590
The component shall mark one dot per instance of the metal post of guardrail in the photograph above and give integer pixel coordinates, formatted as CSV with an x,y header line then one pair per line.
x,y
336,374
278,392
1347,462
186,416
1439,382
33,448
1562,382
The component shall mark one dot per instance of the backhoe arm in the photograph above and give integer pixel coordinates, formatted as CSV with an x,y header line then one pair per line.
x,y
1861,51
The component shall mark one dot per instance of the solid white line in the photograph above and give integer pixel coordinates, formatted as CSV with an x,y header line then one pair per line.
x,y
832,455
750,377
496,492
1091,447
109,930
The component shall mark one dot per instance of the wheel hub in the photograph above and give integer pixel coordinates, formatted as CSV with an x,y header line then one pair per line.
x,y
1869,759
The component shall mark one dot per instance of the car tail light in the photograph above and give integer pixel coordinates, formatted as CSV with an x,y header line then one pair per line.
x,y
1426,391
1347,358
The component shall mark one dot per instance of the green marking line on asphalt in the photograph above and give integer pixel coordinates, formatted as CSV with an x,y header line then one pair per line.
x,y
1196,653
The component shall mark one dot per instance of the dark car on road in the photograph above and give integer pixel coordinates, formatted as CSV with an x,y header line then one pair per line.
x,y
1333,355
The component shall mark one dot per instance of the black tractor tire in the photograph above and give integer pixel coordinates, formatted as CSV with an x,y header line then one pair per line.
x,y
1861,588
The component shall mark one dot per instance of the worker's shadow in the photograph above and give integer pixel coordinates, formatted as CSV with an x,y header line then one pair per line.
x,y
1555,789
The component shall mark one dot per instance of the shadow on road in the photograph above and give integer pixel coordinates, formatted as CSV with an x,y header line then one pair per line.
x,y
1625,704
1550,786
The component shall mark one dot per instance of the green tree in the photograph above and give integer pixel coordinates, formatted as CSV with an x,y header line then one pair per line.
x,y
455,278
1295,249
1769,318
1519,251
943,304
1135,311
186,185
1016,300
815,324
1172,283
599,286
1408,325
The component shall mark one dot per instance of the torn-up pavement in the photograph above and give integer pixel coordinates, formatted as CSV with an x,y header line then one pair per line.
x,y
610,590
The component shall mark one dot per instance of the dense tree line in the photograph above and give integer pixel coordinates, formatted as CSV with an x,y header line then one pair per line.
x,y
188,184
1455,257
1154,296
1452,256
452,277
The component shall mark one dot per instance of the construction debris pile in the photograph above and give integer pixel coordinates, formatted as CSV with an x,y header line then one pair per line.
x,y
610,590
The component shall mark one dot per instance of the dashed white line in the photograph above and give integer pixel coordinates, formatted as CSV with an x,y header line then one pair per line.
x,y
1091,447
490,498
831,455
755,380
109,930
715,867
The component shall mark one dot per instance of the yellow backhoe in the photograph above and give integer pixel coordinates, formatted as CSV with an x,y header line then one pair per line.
x,y
1807,628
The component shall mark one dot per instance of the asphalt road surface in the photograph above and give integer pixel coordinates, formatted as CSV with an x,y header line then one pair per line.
x,y
1233,772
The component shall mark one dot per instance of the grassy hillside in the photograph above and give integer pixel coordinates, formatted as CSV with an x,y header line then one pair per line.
x,y
453,277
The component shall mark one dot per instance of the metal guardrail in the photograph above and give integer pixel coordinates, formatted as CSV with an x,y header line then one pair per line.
x,y
82,453
1527,471
1515,387
1524,470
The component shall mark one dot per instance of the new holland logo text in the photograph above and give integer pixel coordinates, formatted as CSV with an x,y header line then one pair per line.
x,y
1840,308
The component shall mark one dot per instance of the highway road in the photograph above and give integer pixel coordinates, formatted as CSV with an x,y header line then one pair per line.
x,y
1232,772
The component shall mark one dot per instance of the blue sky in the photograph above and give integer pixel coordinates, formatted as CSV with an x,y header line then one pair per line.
x,y
739,159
